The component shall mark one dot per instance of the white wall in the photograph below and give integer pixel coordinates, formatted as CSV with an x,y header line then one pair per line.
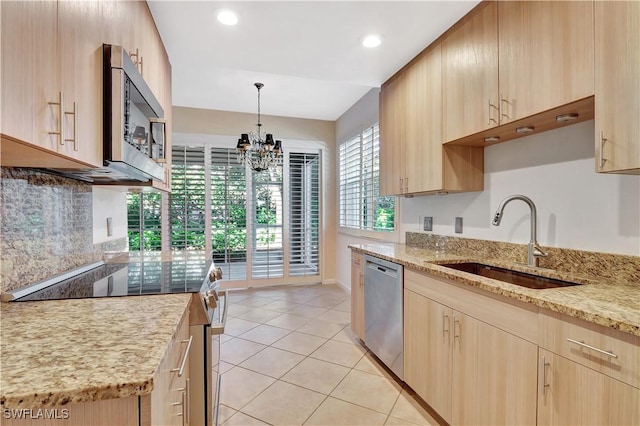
x,y
109,202
577,208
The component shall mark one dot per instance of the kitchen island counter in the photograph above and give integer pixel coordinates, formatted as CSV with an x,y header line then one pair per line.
x,y
61,352
605,302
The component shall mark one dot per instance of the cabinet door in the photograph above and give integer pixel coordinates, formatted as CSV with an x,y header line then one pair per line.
x,y
470,74
357,295
494,375
423,143
29,72
427,351
574,394
546,55
81,36
617,86
151,51
392,133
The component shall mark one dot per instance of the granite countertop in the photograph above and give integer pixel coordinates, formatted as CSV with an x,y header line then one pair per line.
x,y
67,351
607,303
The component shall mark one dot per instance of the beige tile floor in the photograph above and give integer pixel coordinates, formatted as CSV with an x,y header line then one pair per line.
x,y
289,357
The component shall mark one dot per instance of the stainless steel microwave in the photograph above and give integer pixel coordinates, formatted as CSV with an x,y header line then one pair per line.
x,y
133,122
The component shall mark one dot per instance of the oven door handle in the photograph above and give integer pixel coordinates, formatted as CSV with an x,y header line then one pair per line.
x,y
217,402
219,327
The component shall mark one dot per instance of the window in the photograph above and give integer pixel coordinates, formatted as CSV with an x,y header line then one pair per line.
x,y
144,225
361,206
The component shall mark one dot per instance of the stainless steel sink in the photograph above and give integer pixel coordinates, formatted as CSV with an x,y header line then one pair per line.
x,y
509,276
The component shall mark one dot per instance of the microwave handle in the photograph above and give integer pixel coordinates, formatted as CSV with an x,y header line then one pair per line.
x,y
154,121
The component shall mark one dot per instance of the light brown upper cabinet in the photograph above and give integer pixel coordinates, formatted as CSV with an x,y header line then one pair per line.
x,y
617,86
470,102
423,143
392,135
30,72
545,55
412,158
516,63
52,83
81,72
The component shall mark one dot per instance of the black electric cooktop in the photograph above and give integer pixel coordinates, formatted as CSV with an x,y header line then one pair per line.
x,y
129,279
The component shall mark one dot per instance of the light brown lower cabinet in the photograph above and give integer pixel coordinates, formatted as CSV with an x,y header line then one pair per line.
x,y
478,358
166,405
357,294
572,394
468,371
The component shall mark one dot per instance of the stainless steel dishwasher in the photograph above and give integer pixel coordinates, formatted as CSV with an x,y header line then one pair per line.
x,y
383,290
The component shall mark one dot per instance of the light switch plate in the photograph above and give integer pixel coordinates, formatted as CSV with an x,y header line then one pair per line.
x,y
428,223
458,225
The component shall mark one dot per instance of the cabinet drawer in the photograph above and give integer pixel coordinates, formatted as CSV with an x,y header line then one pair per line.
x,y
587,344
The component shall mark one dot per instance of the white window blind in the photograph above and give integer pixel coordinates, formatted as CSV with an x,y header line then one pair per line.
x,y
187,205
304,214
361,206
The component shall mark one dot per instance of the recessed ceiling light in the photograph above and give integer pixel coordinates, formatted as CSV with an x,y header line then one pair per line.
x,y
566,118
371,41
227,17
524,129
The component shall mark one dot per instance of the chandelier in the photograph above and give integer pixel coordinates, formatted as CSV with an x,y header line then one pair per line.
x,y
259,153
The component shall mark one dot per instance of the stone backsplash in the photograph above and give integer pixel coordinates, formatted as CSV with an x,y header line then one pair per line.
x,y
612,267
46,227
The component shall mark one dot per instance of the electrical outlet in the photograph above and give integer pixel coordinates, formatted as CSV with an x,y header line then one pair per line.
x,y
458,225
428,223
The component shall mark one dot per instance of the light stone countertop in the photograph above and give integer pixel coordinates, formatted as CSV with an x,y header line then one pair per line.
x,y
615,305
67,351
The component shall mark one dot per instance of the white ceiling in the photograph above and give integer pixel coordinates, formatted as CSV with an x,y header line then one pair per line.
x,y
308,54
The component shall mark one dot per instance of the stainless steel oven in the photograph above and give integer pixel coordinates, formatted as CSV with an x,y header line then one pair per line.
x,y
206,349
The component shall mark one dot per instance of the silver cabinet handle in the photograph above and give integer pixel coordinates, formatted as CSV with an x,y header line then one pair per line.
x,y
542,375
584,345
138,60
406,185
180,370
60,131
401,185
445,322
491,119
74,112
183,403
503,115
602,141
455,321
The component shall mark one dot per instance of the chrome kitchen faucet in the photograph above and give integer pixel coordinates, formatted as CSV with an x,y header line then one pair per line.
x,y
534,252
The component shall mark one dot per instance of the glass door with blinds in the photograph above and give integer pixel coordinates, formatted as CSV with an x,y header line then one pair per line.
x,y
259,226
228,206
304,214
